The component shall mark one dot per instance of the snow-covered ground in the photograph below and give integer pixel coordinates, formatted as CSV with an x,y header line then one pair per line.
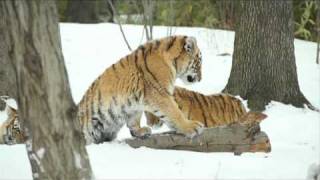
x,y
294,133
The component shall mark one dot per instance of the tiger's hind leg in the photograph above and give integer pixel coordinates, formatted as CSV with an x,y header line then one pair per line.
x,y
133,123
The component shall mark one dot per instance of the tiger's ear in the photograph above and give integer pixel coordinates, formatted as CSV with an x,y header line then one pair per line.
x,y
190,44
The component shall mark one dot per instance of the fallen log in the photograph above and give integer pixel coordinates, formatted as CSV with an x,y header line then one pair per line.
x,y
234,138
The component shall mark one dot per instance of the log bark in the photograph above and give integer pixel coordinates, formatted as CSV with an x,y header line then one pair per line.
x,y
55,145
263,66
235,138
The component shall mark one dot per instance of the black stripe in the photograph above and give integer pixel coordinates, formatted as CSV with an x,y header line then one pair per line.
x,y
175,60
115,71
175,65
121,62
147,68
189,112
136,63
172,40
115,100
141,47
150,48
223,101
129,102
124,112
202,110
152,75
114,68
136,97
204,98
111,114
100,114
219,106
231,104
87,105
92,108
162,116
157,44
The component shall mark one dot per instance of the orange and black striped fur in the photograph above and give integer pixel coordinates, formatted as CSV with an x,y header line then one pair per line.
x,y
10,131
212,110
141,81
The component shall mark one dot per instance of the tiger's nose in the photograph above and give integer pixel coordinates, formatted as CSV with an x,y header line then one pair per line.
x,y
191,78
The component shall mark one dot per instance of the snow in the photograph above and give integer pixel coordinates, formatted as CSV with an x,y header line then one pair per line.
x,y
11,103
294,133
40,152
77,160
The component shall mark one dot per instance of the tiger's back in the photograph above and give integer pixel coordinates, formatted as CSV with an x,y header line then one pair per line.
x,y
211,110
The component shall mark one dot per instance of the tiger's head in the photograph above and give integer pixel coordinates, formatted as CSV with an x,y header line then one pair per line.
x,y
190,67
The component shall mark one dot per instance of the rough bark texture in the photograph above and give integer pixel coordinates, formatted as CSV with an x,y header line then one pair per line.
x,y
55,146
89,11
226,10
235,138
263,66
8,82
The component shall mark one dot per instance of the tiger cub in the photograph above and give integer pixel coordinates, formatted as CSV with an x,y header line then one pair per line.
x,y
213,110
141,81
10,131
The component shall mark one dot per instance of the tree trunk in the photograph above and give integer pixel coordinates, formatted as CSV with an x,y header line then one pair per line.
x,y
263,66
89,11
234,138
226,11
8,82
55,145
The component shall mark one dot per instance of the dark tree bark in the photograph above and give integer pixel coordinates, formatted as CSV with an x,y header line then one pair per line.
x,y
89,11
226,11
263,66
55,146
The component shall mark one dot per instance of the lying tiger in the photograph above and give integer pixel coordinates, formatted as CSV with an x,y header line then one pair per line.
x,y
141,81
212,110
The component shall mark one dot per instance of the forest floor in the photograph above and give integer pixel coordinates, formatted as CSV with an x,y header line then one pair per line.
x,y
294,133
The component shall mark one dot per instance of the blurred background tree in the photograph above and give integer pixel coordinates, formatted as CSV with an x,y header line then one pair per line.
x,y
219,14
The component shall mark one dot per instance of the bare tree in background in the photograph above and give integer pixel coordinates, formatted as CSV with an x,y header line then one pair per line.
x,y
227,14
318,30
116,16
171,17
55,145
89,11
148,13
263,66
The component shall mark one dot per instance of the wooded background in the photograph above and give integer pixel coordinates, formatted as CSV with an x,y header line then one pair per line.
x,y
201,13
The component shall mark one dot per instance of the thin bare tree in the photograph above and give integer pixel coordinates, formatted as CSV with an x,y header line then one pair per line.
x,y
116,16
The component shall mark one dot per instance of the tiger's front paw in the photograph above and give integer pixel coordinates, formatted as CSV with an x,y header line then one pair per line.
x,y
191,128
141,133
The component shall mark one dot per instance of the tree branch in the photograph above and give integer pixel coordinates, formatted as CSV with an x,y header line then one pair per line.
x,y
119,23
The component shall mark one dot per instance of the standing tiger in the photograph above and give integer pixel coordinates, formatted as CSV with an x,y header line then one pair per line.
x,y
213,110
141,81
